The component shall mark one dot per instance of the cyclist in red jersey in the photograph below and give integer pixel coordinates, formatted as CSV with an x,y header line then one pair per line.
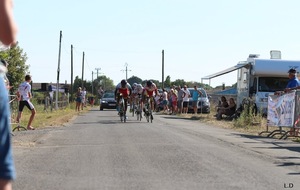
x,y
123,88
148,91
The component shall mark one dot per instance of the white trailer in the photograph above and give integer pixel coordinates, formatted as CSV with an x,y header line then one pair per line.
x,y
259,78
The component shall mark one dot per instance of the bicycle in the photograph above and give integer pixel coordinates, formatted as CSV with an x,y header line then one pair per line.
x,y
122,109
14,104
138,109
148,110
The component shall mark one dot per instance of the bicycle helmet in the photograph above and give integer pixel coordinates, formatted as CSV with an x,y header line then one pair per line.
x,y
134,85
149,83
123,83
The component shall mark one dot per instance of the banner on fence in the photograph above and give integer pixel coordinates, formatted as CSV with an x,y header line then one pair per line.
x,y
281,110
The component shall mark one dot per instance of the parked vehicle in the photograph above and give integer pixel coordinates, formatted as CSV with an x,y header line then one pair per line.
x,y
259,78
203,102
108,101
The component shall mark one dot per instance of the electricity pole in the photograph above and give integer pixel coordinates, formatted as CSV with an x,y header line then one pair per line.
x,y
163,68
72,73
82,70
126,70
58,70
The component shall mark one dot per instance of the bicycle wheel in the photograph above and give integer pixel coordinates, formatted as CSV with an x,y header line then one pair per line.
x,y
151,116
19,128
121,112
133,110
137,114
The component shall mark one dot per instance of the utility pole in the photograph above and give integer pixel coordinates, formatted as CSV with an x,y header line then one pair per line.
x,y
72,73
82,70
126,70
58,70
97,69
92,82
163,68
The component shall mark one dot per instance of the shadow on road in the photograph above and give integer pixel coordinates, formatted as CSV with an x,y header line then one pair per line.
x,y
191,118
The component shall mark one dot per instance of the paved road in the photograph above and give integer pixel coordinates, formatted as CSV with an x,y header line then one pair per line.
x,y
96,151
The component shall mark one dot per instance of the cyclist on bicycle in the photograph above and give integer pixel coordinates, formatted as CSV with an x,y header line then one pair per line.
x,y
136,93
123,89
148,91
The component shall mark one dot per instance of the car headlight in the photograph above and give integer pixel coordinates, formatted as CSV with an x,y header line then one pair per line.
x,y
104,102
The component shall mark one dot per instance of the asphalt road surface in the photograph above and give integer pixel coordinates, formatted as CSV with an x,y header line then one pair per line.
x,y
97,151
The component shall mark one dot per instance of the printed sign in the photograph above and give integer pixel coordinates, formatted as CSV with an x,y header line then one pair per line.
x,y
281,110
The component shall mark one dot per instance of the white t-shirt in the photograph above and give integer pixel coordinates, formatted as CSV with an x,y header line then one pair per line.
x,y
24,90
138,89
187,95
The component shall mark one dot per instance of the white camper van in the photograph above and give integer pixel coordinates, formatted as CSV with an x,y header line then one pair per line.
x,y
259,78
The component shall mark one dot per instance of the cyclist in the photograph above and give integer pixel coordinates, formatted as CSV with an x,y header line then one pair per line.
x,y
149,91
123,88
137,92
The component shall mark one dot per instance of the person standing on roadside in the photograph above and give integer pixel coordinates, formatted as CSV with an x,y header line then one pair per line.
x,y
8,32
24,95
293,82
83,98
78,99
180,99
195,96
185,100
165,100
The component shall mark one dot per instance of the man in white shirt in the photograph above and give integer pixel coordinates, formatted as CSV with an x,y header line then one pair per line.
x,y
186,96
24,95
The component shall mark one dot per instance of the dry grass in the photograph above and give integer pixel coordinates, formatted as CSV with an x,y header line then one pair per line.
x,y
47,118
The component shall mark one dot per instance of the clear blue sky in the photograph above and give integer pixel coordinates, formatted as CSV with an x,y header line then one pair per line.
x,y
200,37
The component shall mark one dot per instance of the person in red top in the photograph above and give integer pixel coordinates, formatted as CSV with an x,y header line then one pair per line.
x,y
124,89
149,91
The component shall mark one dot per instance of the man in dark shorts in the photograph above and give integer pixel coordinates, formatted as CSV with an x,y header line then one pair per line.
x,y
24,95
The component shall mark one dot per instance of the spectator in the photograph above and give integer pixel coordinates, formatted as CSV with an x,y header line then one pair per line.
x,y
83,98
186,97
7,37
180,99
229,110
195,97
165,100
223,103
174,101
24,95
293,82
78,99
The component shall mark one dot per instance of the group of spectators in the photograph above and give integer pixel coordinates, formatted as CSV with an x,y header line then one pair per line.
x,y
176,100
225,107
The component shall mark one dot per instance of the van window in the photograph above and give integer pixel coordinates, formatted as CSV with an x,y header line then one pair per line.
x,y
272,84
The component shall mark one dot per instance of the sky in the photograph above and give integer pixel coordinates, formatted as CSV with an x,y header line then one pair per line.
x,y
199,37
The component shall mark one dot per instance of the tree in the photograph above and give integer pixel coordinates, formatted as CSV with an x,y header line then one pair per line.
x,y
178,82
134,79
168,81
105,83
17,68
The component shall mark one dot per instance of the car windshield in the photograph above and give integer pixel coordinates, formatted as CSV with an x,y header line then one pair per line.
x,y
203,92
109,95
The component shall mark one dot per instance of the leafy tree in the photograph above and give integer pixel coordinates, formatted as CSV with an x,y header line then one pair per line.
x,y
134,79
105,83
178,82
17,68
168,81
